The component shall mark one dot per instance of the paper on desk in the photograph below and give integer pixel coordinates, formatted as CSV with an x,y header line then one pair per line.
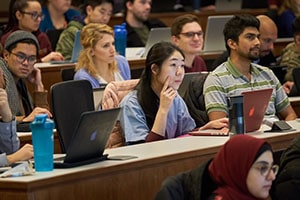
x,y
23,169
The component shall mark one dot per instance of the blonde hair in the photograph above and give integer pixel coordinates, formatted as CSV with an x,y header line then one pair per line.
x,y
289,4
90,35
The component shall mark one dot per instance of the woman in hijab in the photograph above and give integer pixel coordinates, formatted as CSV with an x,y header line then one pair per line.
x,y
243,169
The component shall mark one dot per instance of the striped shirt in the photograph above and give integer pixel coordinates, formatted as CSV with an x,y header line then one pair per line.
x,y
226,81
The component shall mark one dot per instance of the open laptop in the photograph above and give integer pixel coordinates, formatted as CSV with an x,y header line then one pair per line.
x,y
155,35
89,139
98,94
255,105
214,38
75,52
228,5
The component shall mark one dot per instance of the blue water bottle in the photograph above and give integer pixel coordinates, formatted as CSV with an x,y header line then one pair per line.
x,y
120,38
42,140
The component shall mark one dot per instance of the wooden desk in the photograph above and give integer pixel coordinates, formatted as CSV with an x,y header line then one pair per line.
x,y
25,138
168,17
295,102
139,178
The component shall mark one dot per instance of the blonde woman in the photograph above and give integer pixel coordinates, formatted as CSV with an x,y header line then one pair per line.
x,y
98,61
287,12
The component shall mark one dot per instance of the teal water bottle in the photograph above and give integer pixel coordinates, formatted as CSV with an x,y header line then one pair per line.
x,y
42,140
120,33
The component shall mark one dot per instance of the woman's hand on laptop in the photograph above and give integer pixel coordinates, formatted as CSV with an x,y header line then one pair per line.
x,y
216,124
53,56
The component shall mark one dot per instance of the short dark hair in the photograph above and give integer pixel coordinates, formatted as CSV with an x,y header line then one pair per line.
x,y
180,21
236,25
93,4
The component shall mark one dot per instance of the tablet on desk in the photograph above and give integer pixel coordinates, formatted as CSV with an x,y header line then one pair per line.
x,y
211,132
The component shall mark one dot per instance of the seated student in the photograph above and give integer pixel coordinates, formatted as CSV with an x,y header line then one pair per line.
x,y
287,184
243,168
155,111
239,74
9,141
20,54
290,57
93,11
187,34
98,61
57,14
26,15
268,35
137,23
287,13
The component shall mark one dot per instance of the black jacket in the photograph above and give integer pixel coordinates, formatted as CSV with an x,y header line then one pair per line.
x,y
194,184
287,183
194,99
133,39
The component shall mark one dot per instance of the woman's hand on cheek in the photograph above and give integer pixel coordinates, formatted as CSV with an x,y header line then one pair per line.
x,y
167,96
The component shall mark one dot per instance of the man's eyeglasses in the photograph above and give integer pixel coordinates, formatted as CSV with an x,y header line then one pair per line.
x,y
266,169
34,15
21,58
192,34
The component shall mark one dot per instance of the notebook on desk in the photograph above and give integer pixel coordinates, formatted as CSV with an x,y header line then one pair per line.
x,y
89,139
214,38
75,52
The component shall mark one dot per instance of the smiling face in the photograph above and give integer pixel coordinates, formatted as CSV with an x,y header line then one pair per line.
x,y
172,67
104,50
190,40
259,185
248,44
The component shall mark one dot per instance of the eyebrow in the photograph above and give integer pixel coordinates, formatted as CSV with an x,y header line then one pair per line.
x,y
263,162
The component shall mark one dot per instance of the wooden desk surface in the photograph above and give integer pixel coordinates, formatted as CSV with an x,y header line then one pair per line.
x,y
138,178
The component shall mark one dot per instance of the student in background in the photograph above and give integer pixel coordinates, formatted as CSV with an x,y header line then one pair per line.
x,y
19,56
94,11
287,12
187,34
243,168
154,110
98,61
239,74
26,15
138,24
57,14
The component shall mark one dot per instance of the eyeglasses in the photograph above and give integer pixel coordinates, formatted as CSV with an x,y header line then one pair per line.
x,y
34,15
266,169
21,58
192,34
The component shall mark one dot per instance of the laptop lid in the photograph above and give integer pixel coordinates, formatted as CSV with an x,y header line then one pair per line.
x,y
98,94
255,106
214,38
228,5
90,137
77,47
157,35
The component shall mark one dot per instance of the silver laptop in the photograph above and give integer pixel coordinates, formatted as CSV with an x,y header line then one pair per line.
x,y
214,38
75,52
157,35
228,5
